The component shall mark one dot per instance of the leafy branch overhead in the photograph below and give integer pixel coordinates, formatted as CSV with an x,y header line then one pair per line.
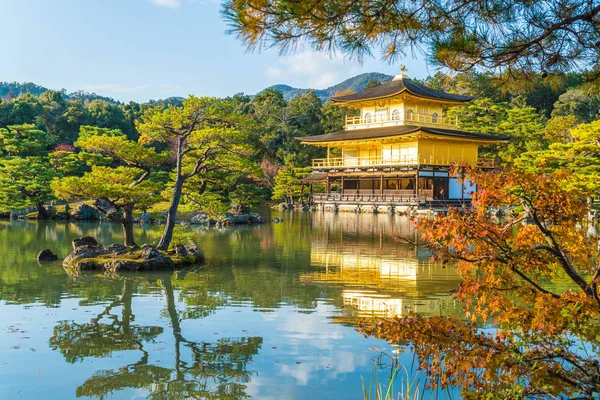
x,y
550,37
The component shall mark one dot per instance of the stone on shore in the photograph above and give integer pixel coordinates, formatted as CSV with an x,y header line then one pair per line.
x,y
47,255
83,212
84,241
199,219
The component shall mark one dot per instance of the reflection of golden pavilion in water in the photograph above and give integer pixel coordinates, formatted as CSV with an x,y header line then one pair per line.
x,y
379,276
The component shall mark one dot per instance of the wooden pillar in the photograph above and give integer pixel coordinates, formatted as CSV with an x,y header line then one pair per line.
x,y
342,188
433,183
417,185
381,185
328,185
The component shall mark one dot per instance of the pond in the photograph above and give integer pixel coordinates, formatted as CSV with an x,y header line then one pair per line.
x,y
271,315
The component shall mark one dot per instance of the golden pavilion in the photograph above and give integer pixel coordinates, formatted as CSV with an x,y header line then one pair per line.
x,y
396,151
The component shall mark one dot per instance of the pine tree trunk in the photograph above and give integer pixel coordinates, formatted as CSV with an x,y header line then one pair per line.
x,y
127,224
42,212
167,236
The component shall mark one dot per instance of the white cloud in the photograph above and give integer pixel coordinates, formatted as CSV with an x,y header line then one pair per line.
x,y
312,69
274,73
116,88
167,3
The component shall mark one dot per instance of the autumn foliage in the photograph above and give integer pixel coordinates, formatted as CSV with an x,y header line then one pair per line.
x,y
530,271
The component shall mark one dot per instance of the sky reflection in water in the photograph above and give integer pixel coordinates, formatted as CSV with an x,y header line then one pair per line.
x,y
271,315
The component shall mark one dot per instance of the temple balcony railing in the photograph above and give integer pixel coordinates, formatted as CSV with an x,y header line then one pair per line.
x,y
379,120
378,161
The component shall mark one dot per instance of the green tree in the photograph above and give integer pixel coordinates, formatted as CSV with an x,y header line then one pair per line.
x,y
25,181
583,105
106,115
288,186
521,122
246,196
25,173
558,129
119,187
22,140
526,129
281,122
479,85
24,109
580,157
333,117
482,115
202,143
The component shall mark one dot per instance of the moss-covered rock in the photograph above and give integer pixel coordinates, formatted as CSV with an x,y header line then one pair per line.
x,y
88,256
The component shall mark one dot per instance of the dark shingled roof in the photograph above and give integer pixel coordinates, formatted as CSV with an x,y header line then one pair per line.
x,y
315,177
396,131
399,85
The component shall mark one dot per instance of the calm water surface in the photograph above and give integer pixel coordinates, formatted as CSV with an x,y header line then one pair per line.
x,y
271,315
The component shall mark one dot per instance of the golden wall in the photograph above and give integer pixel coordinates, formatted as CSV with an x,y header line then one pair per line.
x,y
445,151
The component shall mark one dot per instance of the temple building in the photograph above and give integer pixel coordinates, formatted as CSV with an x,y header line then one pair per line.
x,y
397,150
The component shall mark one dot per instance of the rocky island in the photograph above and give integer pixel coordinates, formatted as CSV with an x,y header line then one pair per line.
x,y
88,255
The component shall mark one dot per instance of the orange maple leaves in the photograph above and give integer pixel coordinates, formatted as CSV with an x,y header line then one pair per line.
x,y
529,267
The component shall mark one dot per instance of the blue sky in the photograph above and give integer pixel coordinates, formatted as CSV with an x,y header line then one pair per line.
x,y
149,49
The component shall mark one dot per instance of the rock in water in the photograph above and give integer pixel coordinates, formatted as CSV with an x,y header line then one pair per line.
x,y
89,255
47,255
84,241
148,253
241,219
256,218
62,215
181,251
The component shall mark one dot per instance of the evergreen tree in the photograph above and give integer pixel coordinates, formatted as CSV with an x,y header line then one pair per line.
x,y
25,172
120,186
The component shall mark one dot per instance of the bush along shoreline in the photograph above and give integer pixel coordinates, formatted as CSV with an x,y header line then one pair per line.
x,y
85,212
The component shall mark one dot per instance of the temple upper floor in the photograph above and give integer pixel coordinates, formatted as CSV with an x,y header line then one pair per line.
x,y
400,102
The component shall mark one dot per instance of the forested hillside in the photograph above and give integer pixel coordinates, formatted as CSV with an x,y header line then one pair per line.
x,y
9,90
540,117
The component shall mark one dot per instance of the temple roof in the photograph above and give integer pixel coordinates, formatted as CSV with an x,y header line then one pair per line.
x,y
391,131
315,177
398,86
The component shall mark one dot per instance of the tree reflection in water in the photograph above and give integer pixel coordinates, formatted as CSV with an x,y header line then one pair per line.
x,y
214,369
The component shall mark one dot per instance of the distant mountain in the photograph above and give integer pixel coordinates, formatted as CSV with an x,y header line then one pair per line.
x,y
16,89
356,84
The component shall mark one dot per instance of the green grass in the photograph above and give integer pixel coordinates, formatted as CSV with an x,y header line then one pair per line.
x,y
400,385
